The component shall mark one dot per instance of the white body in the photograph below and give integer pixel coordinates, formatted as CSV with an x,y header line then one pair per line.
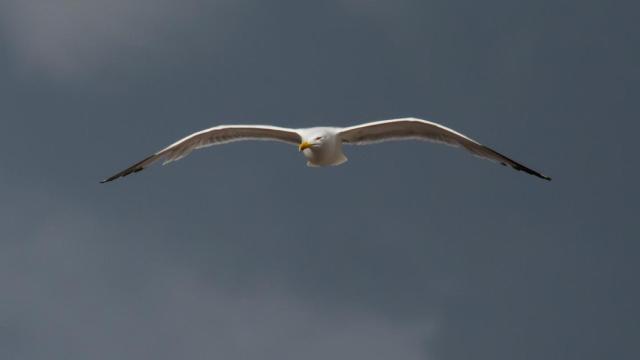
x,y
325,146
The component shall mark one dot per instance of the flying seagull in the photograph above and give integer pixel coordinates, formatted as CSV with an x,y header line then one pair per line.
x,y
322,146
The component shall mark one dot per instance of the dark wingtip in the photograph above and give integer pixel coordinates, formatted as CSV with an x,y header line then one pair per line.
x,y
516,165
532,172
121,174
130,170
110,179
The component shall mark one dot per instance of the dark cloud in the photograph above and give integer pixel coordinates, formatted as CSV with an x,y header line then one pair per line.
x,y
408,251
73,290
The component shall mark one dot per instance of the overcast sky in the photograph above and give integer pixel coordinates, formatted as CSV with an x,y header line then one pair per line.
x,y
408,251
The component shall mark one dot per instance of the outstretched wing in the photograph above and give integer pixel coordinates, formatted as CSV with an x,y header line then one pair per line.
x,y
412,128
212,136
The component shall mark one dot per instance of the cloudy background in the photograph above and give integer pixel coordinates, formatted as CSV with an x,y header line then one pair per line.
x,y
410,251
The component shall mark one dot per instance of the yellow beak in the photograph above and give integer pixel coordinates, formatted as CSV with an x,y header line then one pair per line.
x,y
304,145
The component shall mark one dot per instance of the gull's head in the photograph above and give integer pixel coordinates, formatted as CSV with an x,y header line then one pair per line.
x,y
321,146
313,143
317,139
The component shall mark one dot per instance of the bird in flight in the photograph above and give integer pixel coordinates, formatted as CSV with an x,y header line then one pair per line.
x,y
322,146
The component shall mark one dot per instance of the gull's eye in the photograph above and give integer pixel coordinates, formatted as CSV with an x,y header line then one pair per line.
x,y
318,138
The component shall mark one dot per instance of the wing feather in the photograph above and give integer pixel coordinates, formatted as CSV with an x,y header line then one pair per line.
x,y
412,128
213,136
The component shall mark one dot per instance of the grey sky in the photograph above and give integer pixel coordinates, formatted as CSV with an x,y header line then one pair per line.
x,y
409,251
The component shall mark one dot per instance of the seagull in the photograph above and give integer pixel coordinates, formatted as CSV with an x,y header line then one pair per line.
x,y
322,146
